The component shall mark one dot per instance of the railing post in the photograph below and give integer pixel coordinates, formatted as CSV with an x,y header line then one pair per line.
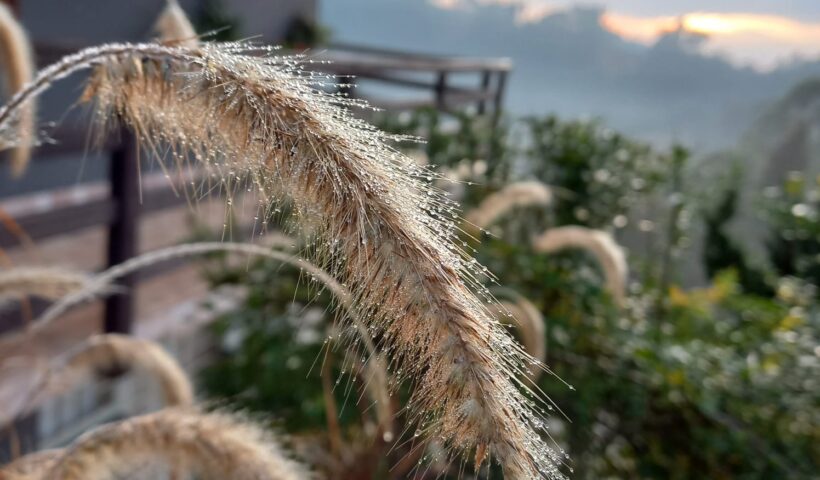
x,y
496,116
499,97
124,230
485,87
441,90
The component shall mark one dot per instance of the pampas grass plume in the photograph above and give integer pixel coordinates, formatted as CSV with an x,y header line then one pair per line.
x,y
174,28
106,353
45,282
17,70
529,324
599,244
32,466
385,233
213,445
514,195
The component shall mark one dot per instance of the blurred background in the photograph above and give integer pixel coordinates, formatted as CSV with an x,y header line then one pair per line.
x,y
683,137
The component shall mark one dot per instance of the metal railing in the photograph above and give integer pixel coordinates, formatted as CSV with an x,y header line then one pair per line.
x,y
355,63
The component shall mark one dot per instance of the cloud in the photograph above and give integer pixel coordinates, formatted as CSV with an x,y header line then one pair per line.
x,y
527,11
759,40
446,4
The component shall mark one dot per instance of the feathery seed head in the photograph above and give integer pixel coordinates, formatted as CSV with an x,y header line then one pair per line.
x,y
102,354
46,282
519,194
529,324
174,28
383,230
32,466
17,61
210,445
599,244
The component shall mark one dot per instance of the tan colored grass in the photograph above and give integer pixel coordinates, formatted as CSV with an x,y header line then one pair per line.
x,y
213,446
384,232
32,466
101,356
599,244
107,353
529,325
17,62
378,387
514,195
50,283
102,282
174,28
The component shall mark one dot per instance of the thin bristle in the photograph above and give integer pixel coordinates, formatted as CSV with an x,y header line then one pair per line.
x,y
18,69
514,195
174,28
45,282
210,445
384,232
599,244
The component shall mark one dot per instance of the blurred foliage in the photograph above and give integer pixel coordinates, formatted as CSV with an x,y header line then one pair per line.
x,y
720,249
464,148
216,22
792,212
301,34
279,310
282,353
598,173
718,381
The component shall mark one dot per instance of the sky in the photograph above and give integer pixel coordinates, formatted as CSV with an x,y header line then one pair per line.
x,y
757,33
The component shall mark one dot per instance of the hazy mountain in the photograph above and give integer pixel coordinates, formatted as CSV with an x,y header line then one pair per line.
x,y
569,64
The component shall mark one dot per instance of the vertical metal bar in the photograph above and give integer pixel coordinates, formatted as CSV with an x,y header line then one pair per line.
x,y
123,231
485,87
441,90
496,116
499,98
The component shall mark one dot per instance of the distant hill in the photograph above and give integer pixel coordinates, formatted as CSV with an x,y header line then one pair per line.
x,y
786,137
569,64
